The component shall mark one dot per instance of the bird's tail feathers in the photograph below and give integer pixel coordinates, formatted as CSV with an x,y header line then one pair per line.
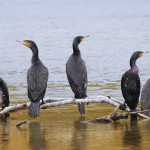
x,y
81,108
34,110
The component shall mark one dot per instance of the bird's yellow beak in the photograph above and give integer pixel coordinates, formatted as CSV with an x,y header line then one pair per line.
x,y
141,54
25,43
82,39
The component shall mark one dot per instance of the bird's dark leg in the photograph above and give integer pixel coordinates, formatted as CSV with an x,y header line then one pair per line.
x,y
85,97
7,115
42,102
122,106
3,107
133,116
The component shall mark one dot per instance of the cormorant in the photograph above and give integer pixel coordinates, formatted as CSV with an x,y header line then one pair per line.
x,y
77,73
4,94
130,84
37,77
145,97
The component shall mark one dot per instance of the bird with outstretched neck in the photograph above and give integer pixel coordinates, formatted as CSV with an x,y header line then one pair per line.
x,y
37,77
4,94
77,73
130,85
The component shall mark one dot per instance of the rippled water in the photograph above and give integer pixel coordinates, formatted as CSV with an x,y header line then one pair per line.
x,y
116,29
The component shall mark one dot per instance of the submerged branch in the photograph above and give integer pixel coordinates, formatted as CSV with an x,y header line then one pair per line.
x,y
18,125
115,115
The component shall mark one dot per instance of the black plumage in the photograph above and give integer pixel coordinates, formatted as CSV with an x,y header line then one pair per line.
x,y
130,83
4,94
37,77
77,73
145,97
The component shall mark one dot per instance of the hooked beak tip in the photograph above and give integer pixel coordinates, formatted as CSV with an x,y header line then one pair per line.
x,y
19,41
86,36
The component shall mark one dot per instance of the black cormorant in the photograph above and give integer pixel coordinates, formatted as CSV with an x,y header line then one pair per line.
x,y
77,73
145,97
4,94
37,77
130,84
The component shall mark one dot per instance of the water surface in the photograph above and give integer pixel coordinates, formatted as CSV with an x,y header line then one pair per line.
x,y
116,29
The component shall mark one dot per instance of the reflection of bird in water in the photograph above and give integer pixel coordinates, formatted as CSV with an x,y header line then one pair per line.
x,y
4,119
145,97
77,73
145,127
132,136
4,132
37,78
37,141
130,84
4,94
80,135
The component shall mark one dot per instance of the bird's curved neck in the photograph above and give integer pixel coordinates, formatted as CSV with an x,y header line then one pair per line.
x,y
35,56
76,50
133,64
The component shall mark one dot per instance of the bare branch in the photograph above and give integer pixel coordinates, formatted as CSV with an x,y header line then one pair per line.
x,y
54,102
91,99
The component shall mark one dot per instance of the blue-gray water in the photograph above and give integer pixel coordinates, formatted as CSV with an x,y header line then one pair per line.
x,y
116,29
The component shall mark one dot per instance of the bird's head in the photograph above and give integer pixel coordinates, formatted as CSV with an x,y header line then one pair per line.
x,y
79,39
28,43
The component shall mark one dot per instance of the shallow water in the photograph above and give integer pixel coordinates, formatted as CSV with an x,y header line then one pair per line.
x,y
116,29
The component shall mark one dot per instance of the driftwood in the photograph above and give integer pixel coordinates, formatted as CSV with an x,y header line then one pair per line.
x,y
54,102
18,125
115,115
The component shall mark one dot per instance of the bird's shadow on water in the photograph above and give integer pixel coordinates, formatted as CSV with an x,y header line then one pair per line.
x,y
80,135
36,137
132,135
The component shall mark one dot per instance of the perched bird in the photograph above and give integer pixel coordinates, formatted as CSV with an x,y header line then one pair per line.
x,y
4,94
37,77
77,73
145,97
130,84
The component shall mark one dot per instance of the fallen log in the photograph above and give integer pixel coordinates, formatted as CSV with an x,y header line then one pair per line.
x,y
54,102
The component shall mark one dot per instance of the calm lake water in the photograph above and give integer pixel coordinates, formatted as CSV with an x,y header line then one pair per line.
x,y
116,29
